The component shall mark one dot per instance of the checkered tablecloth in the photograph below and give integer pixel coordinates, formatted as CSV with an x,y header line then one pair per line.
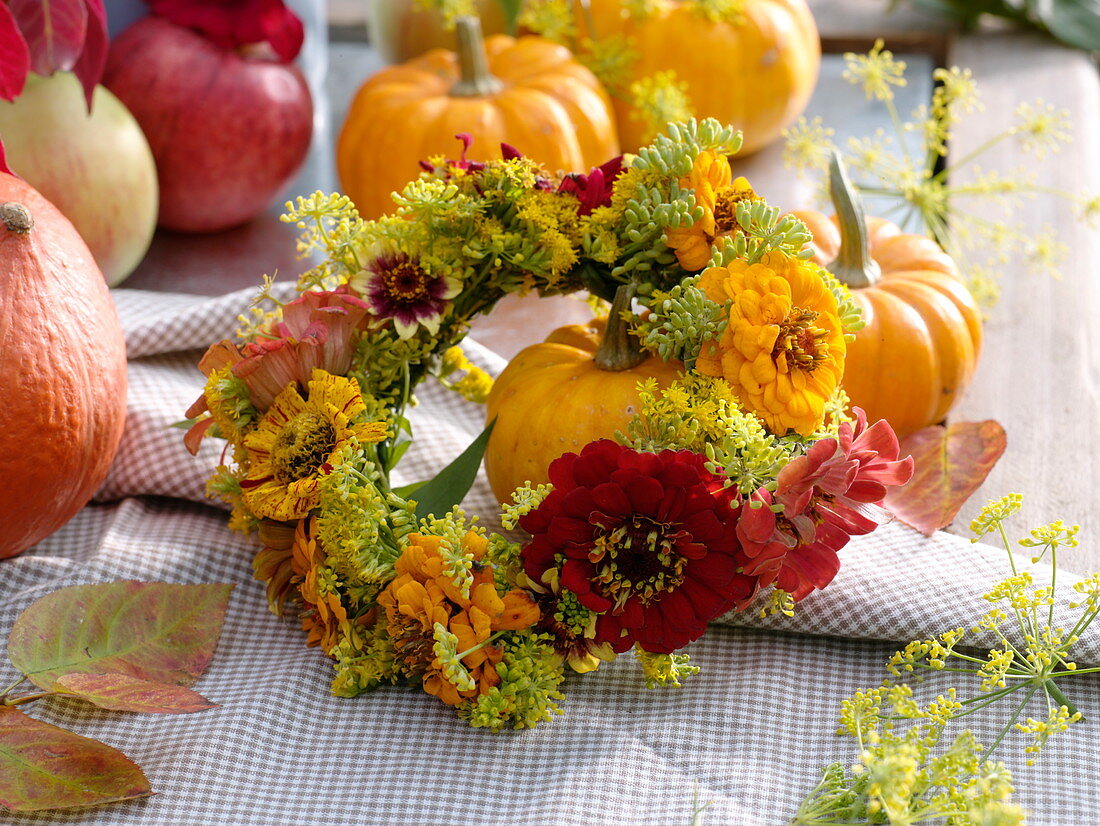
x,y
747,736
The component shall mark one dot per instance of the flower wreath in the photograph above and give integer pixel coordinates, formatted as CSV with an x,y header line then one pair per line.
x,y
745,474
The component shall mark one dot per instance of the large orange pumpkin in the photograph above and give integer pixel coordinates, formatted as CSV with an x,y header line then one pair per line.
x,y
528,92
923,332
63,369
756,73
555,397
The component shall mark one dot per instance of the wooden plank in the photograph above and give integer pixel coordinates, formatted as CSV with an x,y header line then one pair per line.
x,y
1039,373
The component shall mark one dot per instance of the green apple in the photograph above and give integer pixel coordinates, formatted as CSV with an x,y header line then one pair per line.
x,y
96,168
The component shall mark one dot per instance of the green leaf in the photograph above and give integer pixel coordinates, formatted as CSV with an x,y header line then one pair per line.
x,y
148,630
121,692
441,493
1076,22
46,767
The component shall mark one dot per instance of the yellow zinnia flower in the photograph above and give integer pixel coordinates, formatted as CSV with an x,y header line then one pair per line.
x,y
783,349
296,439
718,194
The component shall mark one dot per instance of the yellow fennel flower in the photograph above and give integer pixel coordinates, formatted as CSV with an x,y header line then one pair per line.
x,y
296,441
718,193
783,348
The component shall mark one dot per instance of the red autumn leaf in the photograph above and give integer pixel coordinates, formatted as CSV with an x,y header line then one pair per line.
x,y
46,767
15,57
54,31
89,67
240,23
951,463
149,630
121,692
3,157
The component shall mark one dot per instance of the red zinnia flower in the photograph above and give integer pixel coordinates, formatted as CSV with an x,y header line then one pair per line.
x,y
645,541
827,496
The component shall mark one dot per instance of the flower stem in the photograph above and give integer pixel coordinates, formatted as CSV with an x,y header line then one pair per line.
x,y
1009,724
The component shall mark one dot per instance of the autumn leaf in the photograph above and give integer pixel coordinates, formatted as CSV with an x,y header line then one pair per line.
x,y
951,463
16,62
54,31
121,692
93,59
46,767
147,630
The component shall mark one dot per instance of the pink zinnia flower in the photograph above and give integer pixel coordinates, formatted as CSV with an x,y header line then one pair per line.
x,y
824,498
397,288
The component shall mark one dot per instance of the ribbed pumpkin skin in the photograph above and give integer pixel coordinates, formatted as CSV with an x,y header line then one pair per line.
x,y
553,399
551,109
62,370
757,75
923,336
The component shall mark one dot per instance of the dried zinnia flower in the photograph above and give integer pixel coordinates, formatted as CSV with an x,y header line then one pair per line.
x,y
296,439
783,349
442,635
646,541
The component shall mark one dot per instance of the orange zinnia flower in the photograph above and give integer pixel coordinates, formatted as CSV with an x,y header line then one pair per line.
x,y
423,595
718,194
324,617
783,349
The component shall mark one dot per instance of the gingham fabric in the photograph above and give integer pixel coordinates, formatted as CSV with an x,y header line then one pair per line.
x,y
746,737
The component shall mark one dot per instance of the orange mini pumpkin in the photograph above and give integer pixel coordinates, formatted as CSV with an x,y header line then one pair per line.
x,y
923,332
527,92
63,369
755,72
578,386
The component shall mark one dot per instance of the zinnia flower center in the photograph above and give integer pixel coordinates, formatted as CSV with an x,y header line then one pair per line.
x,y
404,281
800,341
725,208
639,557
301,447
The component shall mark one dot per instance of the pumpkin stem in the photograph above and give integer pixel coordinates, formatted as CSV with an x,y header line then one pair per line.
x,y
853,265
475,79
16,217
619,350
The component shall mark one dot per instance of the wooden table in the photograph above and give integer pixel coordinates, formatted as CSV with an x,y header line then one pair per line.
x,y
1039,373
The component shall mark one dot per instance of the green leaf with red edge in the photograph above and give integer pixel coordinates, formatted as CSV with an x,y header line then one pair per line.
x,y
93,58
121,692
15,57
149,630
54,31
46,767
951,463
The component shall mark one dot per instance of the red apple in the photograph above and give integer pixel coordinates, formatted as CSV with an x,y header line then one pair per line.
x,y
228,128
